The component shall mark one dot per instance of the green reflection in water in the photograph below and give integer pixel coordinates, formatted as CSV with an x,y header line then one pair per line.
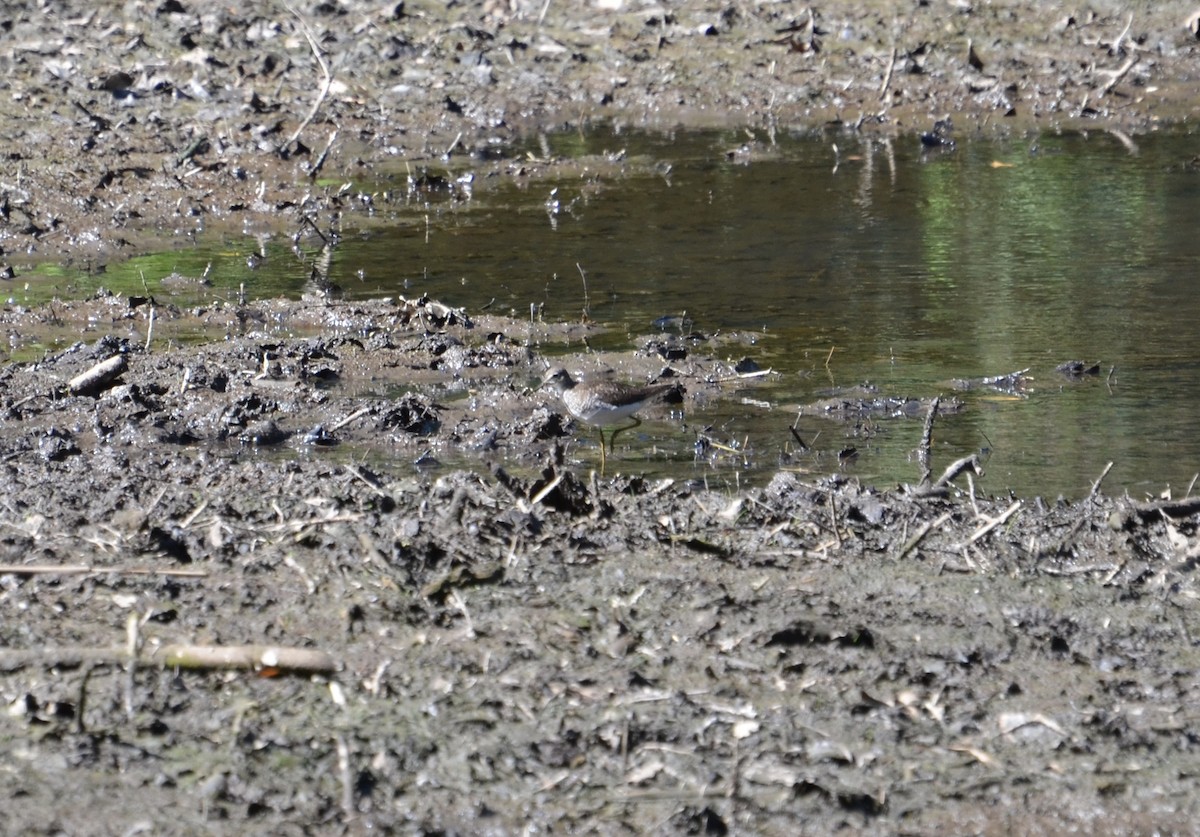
x,y
1056,259
917,269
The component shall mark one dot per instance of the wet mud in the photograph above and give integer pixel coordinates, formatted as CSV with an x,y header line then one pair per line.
x,y
347,569
529,644
128,124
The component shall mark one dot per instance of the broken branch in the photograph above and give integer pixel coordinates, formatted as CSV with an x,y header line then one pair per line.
x,y
97,379
248,657
1117,75
89,569
252,657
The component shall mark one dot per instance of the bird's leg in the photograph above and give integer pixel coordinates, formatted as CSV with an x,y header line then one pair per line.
x,y
600,430
636,422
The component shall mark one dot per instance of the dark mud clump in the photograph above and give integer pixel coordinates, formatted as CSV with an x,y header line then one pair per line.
x,y
218,619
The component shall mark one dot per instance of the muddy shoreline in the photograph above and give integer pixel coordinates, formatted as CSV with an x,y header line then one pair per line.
x,y
127,125
242,594
531,644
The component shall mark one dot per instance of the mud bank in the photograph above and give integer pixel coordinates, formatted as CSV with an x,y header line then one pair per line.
x,y
532,645
131,125
244,592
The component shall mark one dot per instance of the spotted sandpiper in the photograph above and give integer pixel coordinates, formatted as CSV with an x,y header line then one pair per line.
x,y
604,403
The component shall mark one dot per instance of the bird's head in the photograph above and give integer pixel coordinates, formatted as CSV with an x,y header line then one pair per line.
x,y
558,379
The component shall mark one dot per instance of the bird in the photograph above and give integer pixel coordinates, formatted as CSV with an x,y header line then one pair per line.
x,y
604,403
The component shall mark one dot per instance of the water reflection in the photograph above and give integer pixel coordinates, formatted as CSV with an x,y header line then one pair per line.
x,y
914,269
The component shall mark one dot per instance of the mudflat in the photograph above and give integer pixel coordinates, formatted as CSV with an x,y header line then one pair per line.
x,y
240,596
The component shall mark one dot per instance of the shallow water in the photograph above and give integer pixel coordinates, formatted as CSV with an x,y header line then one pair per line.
x,y
912,268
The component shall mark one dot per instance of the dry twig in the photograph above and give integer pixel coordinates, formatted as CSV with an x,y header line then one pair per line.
x,y
927,527
89,569
328,83
324,155
1096,485
1117,75
887,77
993,523
248,657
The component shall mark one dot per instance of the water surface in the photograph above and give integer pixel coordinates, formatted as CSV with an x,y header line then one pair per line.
x,y
914,269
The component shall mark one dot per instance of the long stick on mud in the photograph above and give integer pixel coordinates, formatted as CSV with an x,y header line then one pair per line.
x,y
328,83
926,527
255,657
266,658
993,523
887,77
1117,75
89,569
